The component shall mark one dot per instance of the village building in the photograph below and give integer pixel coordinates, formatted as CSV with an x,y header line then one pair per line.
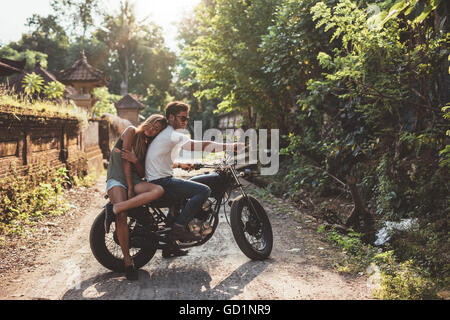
x,y
83,78
129,107
17,83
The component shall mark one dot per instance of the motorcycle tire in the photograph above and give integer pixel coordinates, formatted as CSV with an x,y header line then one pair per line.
x,y
239,231
104,256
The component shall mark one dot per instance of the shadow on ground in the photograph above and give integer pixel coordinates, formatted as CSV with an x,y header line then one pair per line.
x,y
184,283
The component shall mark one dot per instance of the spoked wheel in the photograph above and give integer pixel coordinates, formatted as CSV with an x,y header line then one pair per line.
x,y
106,247
251,230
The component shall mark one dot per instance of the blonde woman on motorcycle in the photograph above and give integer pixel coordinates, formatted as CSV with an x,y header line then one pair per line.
x,y
124,184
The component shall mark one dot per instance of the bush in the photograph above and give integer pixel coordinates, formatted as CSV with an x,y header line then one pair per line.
x,y
403,281
24,201
357,255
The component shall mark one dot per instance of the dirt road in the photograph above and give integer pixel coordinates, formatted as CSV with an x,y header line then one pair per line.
x,y
300,267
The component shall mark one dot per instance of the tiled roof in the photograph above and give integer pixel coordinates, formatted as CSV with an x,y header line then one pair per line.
x,y
7,70
129,102
16,64
46,76
9,67
81,71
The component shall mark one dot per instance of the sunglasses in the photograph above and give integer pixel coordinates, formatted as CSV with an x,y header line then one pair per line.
x,y
183,118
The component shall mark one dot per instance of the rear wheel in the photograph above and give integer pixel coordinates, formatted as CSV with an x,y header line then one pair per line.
x,y
251,230
106,248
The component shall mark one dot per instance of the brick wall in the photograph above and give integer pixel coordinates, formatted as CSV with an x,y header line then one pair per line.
x,y
30,140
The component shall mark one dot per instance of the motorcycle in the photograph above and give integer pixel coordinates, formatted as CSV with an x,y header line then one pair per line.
x,y
150,225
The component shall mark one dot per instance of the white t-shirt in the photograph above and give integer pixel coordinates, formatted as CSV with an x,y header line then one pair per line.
x,y
162,153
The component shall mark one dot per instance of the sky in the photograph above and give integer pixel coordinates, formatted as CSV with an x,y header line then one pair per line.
x,y
14,13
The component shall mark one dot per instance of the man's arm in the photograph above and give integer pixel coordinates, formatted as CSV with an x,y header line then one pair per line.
x,y
184,166
211,146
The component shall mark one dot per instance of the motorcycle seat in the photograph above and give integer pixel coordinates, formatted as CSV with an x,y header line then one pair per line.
x,y
167,200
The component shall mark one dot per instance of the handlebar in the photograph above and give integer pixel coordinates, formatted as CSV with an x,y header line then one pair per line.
x,y
198,166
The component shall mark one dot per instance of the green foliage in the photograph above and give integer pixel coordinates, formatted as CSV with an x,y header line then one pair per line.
x,y
124,48
397,280
138,57
417,10
47,36
78,15
445,153
403,281
32,84
54,90
86,181
366,111
371,109
357,254
10,52
19,106
227,62
105,103
26,201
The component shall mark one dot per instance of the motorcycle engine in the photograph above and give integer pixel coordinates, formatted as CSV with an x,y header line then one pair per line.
x,y
205,211
199,224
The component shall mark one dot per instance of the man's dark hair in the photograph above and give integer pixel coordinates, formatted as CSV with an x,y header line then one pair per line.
x,y
175,108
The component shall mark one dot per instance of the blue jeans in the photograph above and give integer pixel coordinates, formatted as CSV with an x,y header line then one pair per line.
x,y
197,193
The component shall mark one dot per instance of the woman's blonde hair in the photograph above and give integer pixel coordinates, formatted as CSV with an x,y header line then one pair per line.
x,y
141,141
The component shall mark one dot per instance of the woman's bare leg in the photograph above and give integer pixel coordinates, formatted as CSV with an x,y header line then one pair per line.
x,y
146,193
118,195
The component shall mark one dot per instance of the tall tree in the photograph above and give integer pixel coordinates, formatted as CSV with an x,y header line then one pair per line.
x,y
186,85
47,36
78,15
138,57
227,61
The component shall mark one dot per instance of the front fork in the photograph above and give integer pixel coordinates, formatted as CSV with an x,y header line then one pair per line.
x,y
244,194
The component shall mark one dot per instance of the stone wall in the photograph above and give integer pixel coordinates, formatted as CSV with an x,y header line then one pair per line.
x,y
130,114
92,146
27,140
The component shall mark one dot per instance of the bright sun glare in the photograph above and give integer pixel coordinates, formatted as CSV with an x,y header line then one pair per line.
x,y
164,13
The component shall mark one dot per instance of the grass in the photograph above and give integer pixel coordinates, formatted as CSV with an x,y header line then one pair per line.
x,y
88,180
20,105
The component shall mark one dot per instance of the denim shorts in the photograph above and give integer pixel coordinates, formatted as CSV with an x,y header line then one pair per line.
x,y
114,183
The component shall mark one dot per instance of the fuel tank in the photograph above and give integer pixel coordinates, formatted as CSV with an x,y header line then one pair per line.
x,y
214,181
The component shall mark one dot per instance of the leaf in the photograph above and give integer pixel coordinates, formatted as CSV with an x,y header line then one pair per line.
x,y
428,9
411,7
395,10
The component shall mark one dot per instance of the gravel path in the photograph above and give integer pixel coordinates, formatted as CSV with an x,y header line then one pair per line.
x,y
56,263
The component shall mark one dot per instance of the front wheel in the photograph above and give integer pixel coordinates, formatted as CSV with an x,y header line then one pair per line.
x,y
251,230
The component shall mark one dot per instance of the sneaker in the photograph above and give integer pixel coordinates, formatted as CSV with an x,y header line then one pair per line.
x,y
179,232
131,273
109,216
